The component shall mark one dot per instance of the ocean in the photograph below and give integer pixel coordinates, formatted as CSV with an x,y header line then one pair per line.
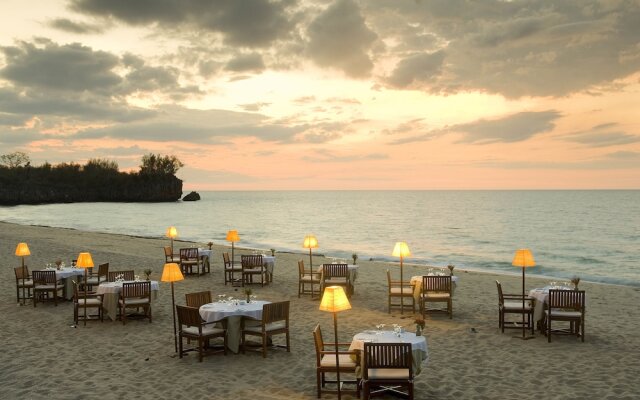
x,y
593,234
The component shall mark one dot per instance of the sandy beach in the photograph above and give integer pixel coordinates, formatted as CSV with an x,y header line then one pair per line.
x,y
44,356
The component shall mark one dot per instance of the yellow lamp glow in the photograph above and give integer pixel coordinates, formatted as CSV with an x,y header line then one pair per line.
x,y
22,250
171,273
232,236
401,250
523,259
335,300
172,232
84,261
310,242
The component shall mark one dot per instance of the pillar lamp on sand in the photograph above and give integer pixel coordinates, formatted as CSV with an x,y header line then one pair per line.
x,y
172,233
401,250
232,236
85,261
310,242
523,259
171,273
335,300
22,250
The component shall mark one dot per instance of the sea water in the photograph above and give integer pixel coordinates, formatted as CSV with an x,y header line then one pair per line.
x,y
592,234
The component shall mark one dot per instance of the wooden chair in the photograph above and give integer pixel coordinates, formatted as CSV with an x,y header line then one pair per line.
x,y
307,278
229,269
128,275
169,257
565,305
387,366
45,282
93,300
512,304
326,363
192,327
252,265
27,284
135,295
102,275
337,275
190,258
397,289
436,289
275,321
198,299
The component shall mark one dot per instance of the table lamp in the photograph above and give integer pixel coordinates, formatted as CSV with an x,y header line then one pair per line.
x,y
232,236
334,300
171,273
401,250
523,259
22,250
172,233
310,242
85,261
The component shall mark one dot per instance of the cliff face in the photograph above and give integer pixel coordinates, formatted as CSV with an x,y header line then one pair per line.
x,y
114,188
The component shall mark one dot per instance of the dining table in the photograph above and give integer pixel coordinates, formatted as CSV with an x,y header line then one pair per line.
x,y
111,294
206,256
67,276
233,312
541,295
419,347
416,281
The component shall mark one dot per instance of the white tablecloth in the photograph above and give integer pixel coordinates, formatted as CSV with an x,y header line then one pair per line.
x,y
206,256
233,314
111,292
67,275
418,344
417,288
541,295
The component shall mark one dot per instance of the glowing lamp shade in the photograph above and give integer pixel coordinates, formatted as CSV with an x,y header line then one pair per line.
x,y
310,242
84,260
171,273
22,250
523,258
172,232
401,250
232,236
334,299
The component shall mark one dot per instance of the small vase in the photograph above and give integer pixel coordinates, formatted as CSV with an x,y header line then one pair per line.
x,y
248,299
418,330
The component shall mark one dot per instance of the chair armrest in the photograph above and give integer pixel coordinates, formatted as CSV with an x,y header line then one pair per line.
x,y
327,344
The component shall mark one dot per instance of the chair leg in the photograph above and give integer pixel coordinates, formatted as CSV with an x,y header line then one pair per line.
x,y
180,345
318,374
264,346
288,342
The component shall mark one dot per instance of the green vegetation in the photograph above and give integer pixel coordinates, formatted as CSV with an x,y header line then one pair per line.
x,y
97,180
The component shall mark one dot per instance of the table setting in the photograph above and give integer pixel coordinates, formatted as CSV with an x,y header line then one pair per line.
x,y
540,295
111,293
416,281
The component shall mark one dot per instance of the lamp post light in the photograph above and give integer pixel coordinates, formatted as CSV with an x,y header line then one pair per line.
x,y
523,259
334,300
22,250
172,233
232,236
85,261
401,250
171,273
310,242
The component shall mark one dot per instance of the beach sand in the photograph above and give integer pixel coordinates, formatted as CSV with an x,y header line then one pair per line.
x,y
44,356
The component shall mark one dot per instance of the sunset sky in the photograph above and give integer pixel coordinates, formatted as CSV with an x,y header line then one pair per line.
x,y
346,94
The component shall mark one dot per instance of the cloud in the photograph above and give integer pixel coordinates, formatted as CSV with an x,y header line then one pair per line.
x,y
340,38
513,128
246,63
601,136
332,157
254,107
419,68
247,23
68,25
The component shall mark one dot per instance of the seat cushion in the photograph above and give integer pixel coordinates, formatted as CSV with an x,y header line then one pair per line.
x,y
135,301
388,373
564,314
27,283
400,290
90,302
436,296
48,287
257,270
329,360
206,330
273,326
335,281
516,305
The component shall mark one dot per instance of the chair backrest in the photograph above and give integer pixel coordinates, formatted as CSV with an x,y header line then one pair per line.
x,y
128,275
168,255
189,254
136,289
387,356
198,299
317,339
251,260
21,273
103,270
273,312
188,316
335,271
389,280
300,268
436,284
500,295
44,277
227,260
566,299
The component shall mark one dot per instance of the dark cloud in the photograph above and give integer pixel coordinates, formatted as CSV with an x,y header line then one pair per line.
x,y
602,135
340,38
249,23
246,63
68,25
421,67
513,128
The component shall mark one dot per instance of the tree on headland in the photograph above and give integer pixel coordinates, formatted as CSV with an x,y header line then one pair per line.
x,y
15,159
156,164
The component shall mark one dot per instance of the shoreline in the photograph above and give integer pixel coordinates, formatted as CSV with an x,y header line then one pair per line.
x,y
302,254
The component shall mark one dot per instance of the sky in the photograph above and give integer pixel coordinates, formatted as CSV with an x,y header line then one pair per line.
x,y
330,95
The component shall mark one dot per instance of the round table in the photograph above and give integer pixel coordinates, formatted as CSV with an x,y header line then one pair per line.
x,y
420,350
233,312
